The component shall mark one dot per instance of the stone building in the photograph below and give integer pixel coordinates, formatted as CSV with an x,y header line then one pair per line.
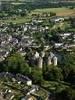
x,y
49,61
55,61
40,62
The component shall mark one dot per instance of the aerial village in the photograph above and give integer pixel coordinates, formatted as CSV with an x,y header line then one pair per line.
x,y
35,52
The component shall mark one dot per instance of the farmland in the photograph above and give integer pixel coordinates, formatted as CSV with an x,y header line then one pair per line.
x,y
59,12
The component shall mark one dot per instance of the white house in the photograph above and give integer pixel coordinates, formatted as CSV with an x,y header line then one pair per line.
x,y
57,45
29,82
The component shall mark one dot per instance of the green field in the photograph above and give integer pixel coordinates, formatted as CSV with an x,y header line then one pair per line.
x,y
59,12
17,20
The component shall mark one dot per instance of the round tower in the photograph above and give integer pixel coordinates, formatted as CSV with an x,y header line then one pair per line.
x,y
49,61
42,54
55,60
40,62
36,55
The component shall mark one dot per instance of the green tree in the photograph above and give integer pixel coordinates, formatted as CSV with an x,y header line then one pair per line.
x,y
16,63
36,75
68,67
54,73
66,94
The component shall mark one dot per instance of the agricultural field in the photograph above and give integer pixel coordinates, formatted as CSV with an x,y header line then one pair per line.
x,y
17,20
59,11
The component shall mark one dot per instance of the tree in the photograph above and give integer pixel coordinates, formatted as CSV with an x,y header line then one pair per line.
x,y
16,63
52,14
66,94
68,67
72,22
54,73
37,76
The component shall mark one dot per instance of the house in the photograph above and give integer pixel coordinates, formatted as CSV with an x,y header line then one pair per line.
x,y
29,97
58,45
37,21
24,79
64,35
57,19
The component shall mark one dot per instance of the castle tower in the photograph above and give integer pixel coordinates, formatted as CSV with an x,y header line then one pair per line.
x,y
40,62
49,61
36,55
42,54
55,60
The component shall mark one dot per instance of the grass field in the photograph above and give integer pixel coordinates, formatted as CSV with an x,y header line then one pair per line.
x,y
59,12
17,20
